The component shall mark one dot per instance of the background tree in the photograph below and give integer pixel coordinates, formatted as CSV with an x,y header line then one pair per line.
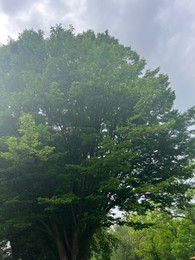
x,y
103,243
98,131
168,237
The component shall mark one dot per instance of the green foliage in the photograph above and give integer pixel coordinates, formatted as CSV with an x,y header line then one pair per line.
x,y
27,145
84,129
103,243
167,238
125,249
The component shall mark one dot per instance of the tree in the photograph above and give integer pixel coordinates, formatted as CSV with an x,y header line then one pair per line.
x,y
103,243
125,250
167,237
85,128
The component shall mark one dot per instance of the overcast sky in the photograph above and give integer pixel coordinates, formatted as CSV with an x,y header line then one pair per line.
x,y
161,31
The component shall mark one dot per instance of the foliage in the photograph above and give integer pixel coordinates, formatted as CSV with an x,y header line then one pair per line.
x,y
168,238
84,128
25,146
103,243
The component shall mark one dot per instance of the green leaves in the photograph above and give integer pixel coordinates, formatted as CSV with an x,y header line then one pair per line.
x,y
159,236
86,128
27,146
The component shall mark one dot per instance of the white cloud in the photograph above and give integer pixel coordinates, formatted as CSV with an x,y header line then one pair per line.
x,y
3,28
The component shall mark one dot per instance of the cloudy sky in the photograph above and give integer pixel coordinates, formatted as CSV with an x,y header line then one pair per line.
x,y
161,31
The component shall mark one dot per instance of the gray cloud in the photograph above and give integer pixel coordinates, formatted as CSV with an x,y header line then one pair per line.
x,y
11,7
132,21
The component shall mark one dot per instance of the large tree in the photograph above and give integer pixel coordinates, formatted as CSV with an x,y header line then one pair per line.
x,y
85,128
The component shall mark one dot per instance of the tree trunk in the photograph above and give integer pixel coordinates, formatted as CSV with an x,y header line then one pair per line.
x,y
61,250
75,248
67,246
14,251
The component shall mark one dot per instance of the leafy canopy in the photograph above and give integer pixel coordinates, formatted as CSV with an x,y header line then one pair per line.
x,y
84,128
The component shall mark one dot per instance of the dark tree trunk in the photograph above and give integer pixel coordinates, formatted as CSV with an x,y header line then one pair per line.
x,y
75,248
14,251
61,250
67,243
